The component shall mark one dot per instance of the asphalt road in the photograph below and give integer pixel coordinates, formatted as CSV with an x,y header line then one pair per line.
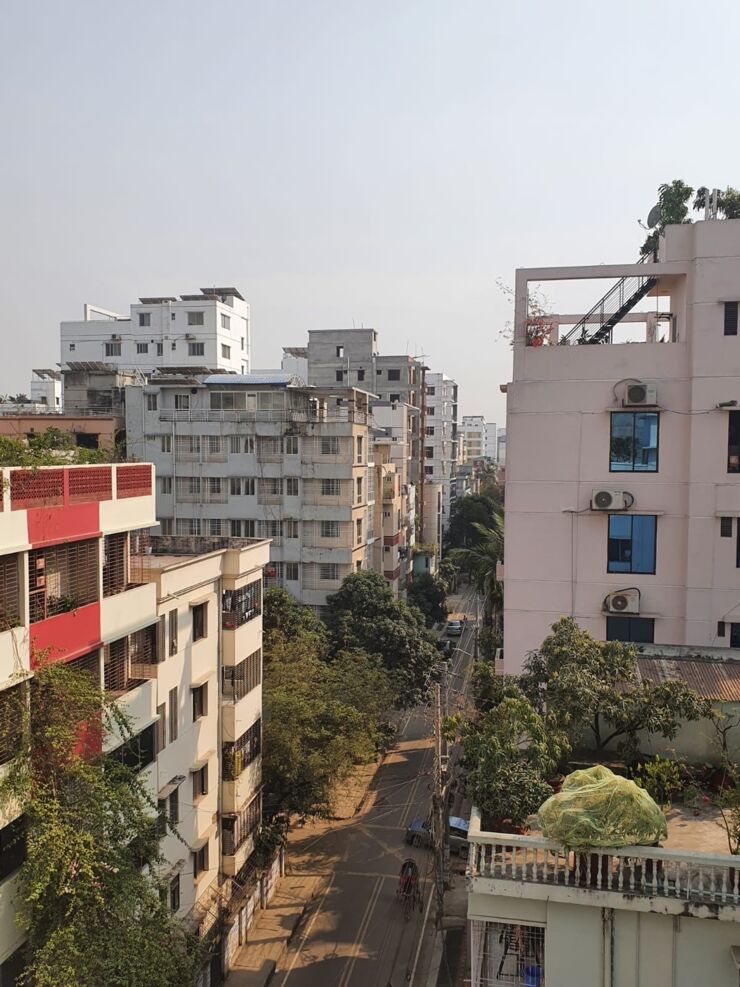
x,y
355,934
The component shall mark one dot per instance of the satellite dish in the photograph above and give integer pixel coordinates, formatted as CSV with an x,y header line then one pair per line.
x,y
654,216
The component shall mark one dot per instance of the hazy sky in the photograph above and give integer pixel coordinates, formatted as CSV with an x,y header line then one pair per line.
x,y
383,162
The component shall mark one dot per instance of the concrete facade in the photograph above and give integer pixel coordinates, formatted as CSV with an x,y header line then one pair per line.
x,y
672,448
210,330
441,437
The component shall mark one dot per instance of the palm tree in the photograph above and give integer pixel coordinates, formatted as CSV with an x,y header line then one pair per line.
x,y
481,560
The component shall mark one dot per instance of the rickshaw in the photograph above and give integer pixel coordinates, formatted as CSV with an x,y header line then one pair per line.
x,y
408,891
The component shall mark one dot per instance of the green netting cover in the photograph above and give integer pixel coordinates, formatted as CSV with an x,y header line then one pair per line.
x,y
596,808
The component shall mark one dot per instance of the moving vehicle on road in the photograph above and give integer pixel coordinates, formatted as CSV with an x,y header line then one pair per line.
x,y
446,647
408,890
455,626
419,833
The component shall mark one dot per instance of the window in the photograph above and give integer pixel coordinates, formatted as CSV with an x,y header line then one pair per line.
x,y
225,321
291,572
428,471
200,701
330,488
200,861
330,445
429,452
160,349
160,731
721,631
182,402
329,571
151,402
272,486
71,347
731,318
145,318
291,486
166,482
214,490
638,630
340,352
196,349
733,443
236,829
173,711
249,444
173,631
634,442
235,444
291,445
235,486
12,847
189,526
241,605
631,546
330,529
225,351
200,614
165,525
735,635
430,391
358,530
339,376
142,347
166,443
249,486
394,398
175,894
394,375
230,401
290,528
111,349
359,449
430,429
359,489
239,680
200,782
725,527
137,752
196,319
242,752
242,529
360,376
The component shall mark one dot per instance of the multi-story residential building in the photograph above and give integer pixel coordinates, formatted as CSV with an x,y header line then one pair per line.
x,y
172,629
623,483
491,447
501,446
440,439
391,549
46,389
262,456
210,331
479,439
394,430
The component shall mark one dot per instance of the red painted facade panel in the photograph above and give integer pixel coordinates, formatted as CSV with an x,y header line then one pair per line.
x,y
68,635
51,525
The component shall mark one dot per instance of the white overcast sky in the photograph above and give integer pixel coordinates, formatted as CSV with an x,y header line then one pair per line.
x,y
340,161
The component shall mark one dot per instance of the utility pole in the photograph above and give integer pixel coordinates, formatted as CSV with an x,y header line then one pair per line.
x,y
475,631
439,807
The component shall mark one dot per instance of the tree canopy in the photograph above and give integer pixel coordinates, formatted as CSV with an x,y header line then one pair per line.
x,y
467,512
429,594
88,893
49,448
364,614
592,688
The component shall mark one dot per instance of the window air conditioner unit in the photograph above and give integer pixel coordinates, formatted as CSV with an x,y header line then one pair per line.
x,y
623,601
611,500
189,335
115,335
639,393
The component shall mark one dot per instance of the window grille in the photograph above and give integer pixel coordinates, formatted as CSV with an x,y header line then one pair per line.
x,y
62,578
90,484
187,447
10,609
11,722
89,664
133,481
36,488
240,754
241,605
507,955
239,680
115,563
118,675
236,830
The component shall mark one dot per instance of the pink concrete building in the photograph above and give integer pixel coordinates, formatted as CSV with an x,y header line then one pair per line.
x,y
623,467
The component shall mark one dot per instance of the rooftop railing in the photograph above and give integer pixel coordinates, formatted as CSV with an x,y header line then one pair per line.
x,y
22,489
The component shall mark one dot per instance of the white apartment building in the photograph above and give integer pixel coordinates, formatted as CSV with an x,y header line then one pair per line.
x,y
623,479
440,438
46,389
172,628
478,439
263,456
501,446
393,429
208,331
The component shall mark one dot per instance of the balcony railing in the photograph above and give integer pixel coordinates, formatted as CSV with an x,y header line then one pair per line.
x,y
61,486
636,871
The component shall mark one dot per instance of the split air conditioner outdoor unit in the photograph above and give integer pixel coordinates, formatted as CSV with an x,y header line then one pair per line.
x,y
115,335
623,601
611,500
639,393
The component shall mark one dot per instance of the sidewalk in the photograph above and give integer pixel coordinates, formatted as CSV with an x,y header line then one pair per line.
x,y
272,930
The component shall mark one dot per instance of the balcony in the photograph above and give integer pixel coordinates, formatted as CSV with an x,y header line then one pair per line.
x,y
646,879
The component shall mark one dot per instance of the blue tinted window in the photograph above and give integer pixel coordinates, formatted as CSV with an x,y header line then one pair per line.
x,y
634,442
631,546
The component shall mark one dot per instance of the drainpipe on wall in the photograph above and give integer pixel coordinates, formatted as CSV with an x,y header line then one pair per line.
x,y
607,918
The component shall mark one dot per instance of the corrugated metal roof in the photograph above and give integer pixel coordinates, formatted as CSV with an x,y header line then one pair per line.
x,y
712,678
283,379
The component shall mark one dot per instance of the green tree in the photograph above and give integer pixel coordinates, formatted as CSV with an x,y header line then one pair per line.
x,y
283,615
467,516
49,448
728,201
88,893
481,561
673,202
429,594
319,720
364,614
593,691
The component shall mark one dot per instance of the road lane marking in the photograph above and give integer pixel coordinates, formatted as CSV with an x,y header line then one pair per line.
x,y
366,918
308,928
421,937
